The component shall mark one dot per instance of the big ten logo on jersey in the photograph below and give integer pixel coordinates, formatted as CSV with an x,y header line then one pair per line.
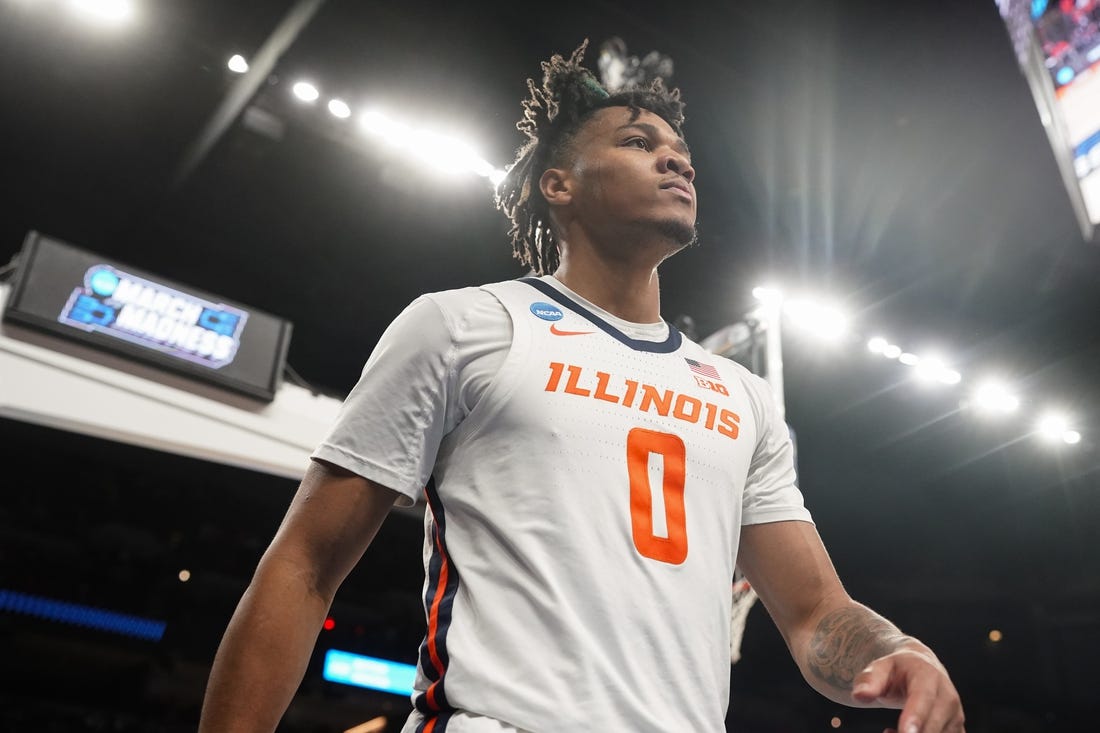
x,y
713,386
579,381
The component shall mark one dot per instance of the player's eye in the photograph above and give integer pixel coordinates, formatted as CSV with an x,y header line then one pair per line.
x,y
637,142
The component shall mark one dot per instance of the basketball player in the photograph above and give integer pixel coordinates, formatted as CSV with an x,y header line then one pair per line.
x,y
591,478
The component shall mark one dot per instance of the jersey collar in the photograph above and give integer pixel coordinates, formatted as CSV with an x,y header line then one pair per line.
x,y
669,345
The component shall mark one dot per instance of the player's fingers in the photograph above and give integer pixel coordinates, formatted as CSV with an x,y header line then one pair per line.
x,y
872,682
919,706
959,729
946,714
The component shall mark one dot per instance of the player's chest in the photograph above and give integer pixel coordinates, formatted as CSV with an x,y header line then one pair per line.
x,y
595,398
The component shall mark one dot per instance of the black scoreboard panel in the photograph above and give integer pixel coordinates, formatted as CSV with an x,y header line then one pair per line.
x,y
79,295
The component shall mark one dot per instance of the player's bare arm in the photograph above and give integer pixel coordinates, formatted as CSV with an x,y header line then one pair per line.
x,y
263,656
846,651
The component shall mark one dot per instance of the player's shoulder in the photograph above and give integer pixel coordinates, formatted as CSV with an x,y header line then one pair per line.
x,y
465,305
455,300
478,296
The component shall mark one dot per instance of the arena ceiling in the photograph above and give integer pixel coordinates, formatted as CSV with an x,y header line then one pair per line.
x,y
887,155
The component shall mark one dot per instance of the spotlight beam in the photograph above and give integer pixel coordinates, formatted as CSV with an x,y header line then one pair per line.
x,y
980,457
897,438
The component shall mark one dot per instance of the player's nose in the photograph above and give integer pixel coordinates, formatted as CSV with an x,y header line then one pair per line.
x,y
674,162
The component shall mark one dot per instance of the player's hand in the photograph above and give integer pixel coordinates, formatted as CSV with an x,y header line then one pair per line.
x,y
915,682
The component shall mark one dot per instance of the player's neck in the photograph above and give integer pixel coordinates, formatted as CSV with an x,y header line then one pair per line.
x,y
629,290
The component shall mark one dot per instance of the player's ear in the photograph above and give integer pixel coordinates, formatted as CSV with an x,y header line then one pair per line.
x,y
556,186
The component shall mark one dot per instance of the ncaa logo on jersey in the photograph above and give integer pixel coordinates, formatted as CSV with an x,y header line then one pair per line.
x,y
547,312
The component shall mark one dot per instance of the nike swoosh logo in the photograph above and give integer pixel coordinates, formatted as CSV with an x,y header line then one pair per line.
x,y
558,332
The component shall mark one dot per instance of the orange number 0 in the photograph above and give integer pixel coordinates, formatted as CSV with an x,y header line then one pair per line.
x,y
640,444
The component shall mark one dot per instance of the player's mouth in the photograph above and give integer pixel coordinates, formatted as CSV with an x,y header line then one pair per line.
x,y
680,188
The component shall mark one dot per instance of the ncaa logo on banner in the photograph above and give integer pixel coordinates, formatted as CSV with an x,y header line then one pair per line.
x,y
547,312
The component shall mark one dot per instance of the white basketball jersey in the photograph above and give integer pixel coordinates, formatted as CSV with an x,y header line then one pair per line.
x,y
583,528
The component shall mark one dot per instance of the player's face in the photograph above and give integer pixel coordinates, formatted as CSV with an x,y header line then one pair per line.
x,y
634,175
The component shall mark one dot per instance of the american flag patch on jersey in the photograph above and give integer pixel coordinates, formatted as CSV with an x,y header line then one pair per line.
x,y
705,370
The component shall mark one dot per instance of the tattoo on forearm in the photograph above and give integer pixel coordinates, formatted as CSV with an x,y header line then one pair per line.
x,y
846,641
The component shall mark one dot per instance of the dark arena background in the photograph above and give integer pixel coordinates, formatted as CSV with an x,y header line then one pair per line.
x,y
913,177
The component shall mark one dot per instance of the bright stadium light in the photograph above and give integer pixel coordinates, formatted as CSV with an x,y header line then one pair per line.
x,y
768,295
949,376
822,320
928,369
237,64
994,397
373,122
461,156
908,359
441,152
484,168
890,351
339,108
877,345
932,369
391,132
1053,426
448,154
111,12
306,92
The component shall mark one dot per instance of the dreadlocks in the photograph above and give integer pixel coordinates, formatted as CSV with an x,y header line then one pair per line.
x,y
552,116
